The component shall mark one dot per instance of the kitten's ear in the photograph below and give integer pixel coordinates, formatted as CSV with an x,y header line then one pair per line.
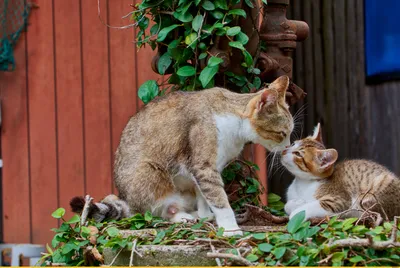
x,y
327,158
280,84
267,98
317,135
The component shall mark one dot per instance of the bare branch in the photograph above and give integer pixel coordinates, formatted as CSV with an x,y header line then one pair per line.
x,y
85,211
237,259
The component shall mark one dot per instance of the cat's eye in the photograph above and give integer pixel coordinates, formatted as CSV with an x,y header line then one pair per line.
x,y
296,153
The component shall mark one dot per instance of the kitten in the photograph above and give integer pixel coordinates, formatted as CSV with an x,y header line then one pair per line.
x,y
322,189
182,142
111,207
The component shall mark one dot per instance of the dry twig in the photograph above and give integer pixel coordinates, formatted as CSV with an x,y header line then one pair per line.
x,y
132,251
85,211
237,259
369,242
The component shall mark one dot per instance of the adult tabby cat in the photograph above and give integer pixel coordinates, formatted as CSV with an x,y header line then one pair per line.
x,y
172,152
322,189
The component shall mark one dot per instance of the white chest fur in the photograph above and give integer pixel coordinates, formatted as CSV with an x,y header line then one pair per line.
x,y
303,189
230,138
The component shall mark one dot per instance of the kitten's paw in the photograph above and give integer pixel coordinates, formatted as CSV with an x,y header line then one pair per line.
x,y
182,217
293,204
229,233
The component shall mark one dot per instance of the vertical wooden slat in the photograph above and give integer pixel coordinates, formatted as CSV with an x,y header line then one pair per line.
x,y
14,140
315,32
96,99
308,68
341,88
69,101
42,121
122,71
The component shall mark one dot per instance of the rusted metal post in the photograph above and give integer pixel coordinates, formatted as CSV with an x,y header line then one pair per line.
x,y
280,35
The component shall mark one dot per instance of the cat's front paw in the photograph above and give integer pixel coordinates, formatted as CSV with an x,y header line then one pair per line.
x,y
228,233
293,204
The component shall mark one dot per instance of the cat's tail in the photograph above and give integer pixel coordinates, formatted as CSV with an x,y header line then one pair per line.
x,y
110,208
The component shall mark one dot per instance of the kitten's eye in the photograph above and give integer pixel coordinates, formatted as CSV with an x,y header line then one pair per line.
x,y
297,154
283,134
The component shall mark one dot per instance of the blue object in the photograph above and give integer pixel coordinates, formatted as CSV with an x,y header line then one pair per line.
x,y
382,39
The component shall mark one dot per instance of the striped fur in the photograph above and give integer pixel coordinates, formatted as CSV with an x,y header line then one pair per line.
x,y
110,208
322,189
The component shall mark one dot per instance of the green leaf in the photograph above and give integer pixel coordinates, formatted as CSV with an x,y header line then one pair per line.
x,y
259,236
217,14
221,4
247,58
214,61
148,91
239,12
163,63
220,231
190,39
265,2
251,189
312,231
197,226
159,237
338,256
186,71
207,74
242,38
165,31
148,216
85,231
208,5
183,16
356,259
197,2
348,223
296,222
279,252
74,219
233,31
252,257
69,247
304,260
112,231
300,234
265,247
272,198
196,23
202,55
58,213
257,84
249,3
237,45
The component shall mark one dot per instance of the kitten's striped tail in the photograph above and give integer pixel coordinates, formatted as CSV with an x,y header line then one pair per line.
x,y
110,208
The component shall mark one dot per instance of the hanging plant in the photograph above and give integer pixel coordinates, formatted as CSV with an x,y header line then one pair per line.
x,y
200,43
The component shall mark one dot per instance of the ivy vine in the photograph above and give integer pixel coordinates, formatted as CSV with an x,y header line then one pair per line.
x,y
185,32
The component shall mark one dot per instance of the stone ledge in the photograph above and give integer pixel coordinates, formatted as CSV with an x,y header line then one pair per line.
x,y
161,255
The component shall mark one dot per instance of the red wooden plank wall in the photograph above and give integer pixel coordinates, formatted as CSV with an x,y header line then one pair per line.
x,y
63,110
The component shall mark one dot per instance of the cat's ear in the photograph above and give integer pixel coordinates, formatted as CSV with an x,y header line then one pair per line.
x,y
327,158
280,84
317,135
267,99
